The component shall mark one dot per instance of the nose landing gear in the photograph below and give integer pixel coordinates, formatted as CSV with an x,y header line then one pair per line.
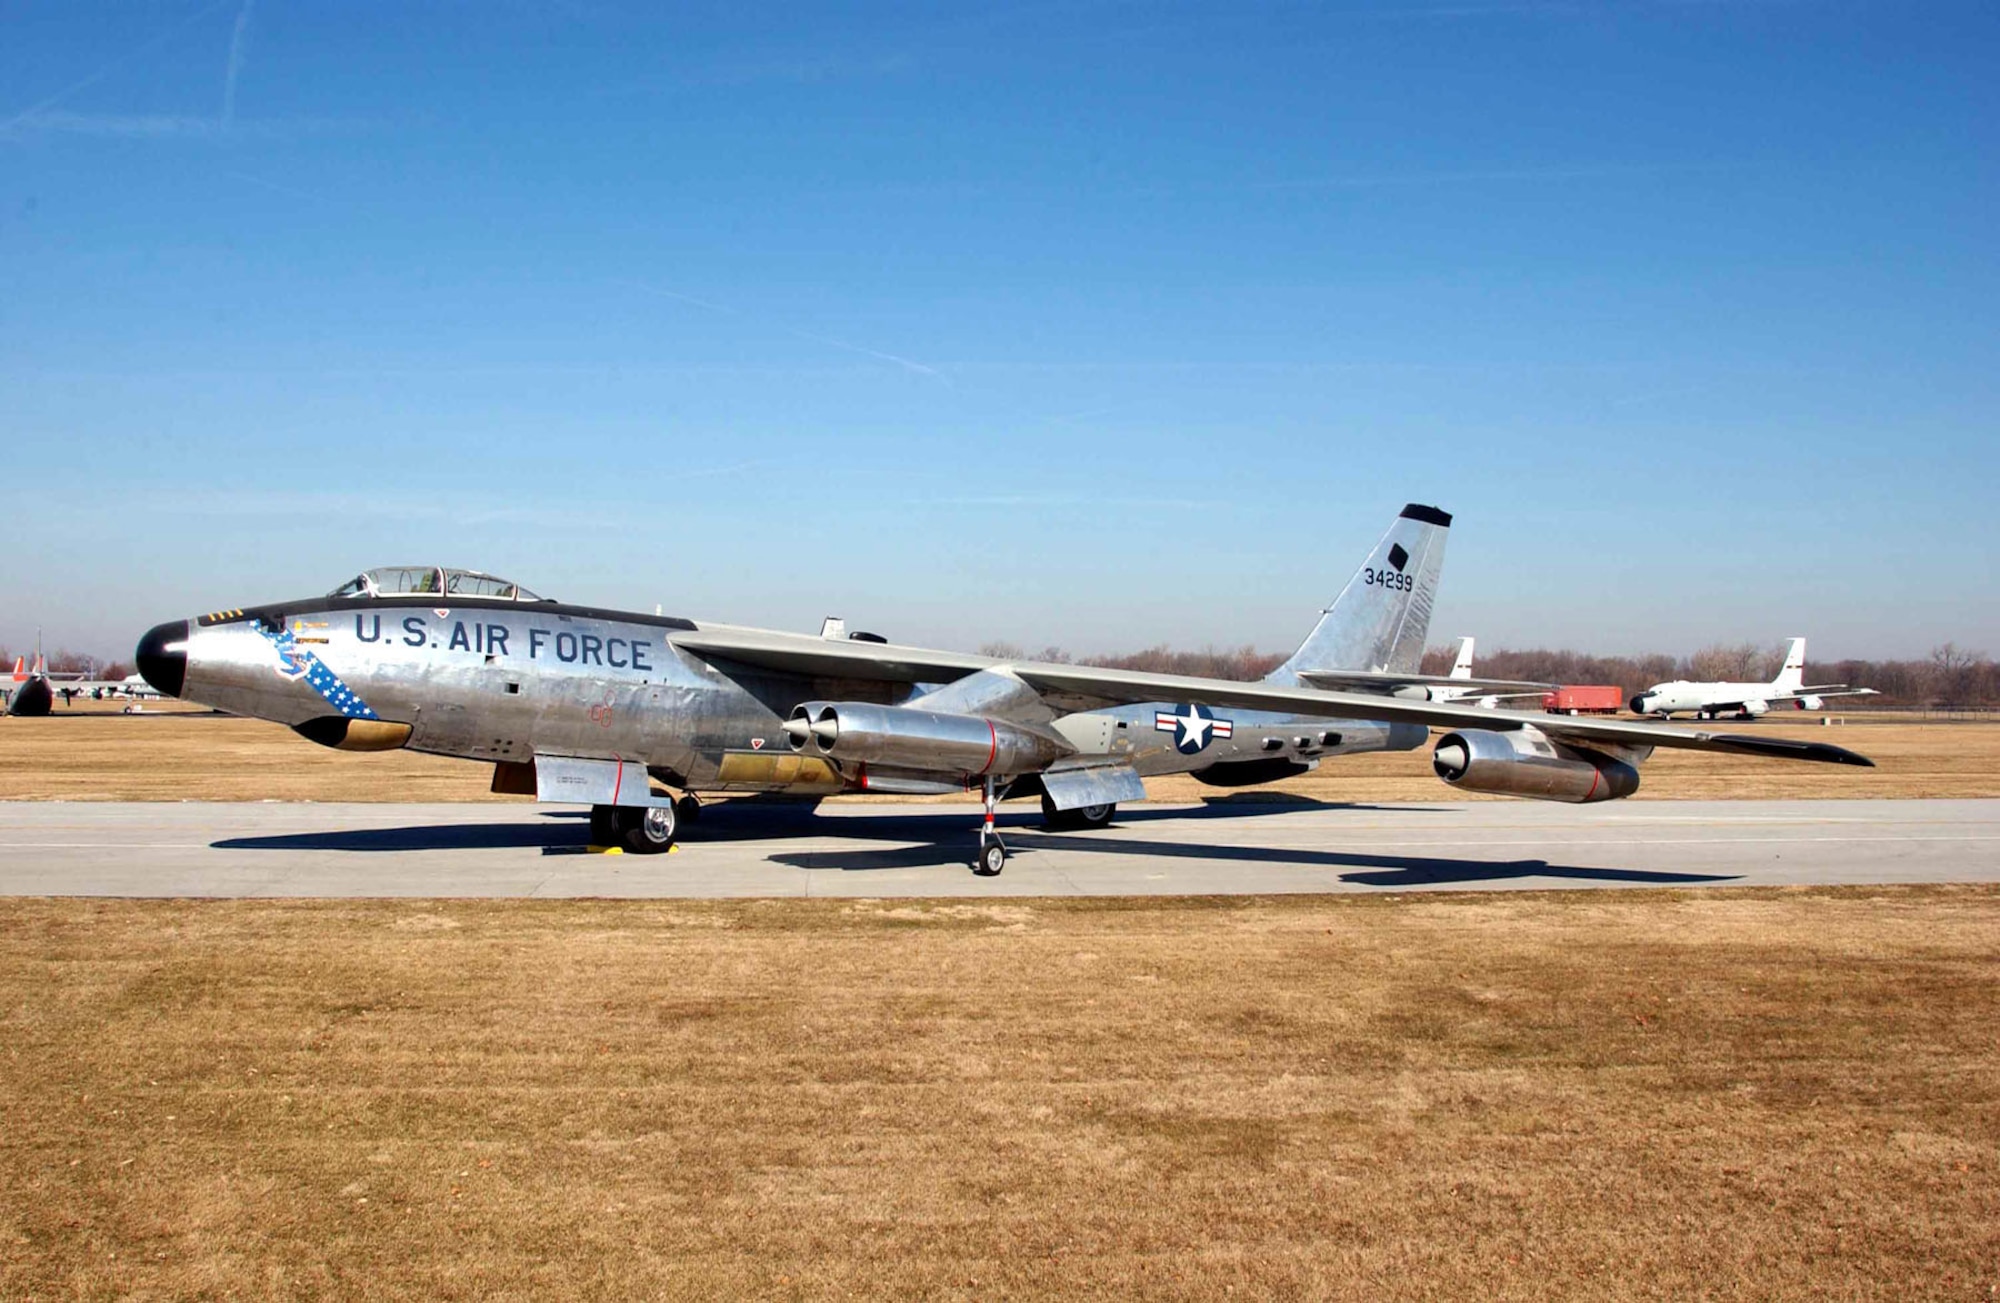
x,y
992,851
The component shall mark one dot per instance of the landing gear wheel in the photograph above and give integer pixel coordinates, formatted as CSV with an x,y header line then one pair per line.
x,y
644,830
1096,816
603,825
688,808
1088,816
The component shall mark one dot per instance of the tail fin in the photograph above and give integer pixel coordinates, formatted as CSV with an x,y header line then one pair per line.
x,y
1381,618
20,669
1793,676
1462,667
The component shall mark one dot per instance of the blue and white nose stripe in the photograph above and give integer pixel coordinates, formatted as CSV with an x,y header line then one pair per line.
x,y
1192,727
295,662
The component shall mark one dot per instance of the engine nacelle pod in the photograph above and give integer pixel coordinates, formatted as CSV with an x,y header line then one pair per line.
x,y
924,741
1811,703
1522,763
1755,707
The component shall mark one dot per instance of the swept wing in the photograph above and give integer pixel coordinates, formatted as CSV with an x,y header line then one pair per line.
x,y
1083,687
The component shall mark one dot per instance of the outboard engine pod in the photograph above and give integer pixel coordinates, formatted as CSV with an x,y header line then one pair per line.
x,y
1522,763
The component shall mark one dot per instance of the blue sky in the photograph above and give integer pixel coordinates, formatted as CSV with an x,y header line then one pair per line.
x,y
1091,324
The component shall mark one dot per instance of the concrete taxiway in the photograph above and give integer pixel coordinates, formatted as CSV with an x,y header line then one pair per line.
x,y
748,849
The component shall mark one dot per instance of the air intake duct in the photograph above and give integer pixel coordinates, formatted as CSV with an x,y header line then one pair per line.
x,y
1525,763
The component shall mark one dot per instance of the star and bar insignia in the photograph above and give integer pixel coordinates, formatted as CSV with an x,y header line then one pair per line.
x,y
1192,727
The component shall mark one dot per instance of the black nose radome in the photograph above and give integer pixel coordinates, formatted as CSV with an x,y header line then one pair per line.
x,y
163,657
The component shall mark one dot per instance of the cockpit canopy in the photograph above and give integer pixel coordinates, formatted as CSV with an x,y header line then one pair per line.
x,y
413,581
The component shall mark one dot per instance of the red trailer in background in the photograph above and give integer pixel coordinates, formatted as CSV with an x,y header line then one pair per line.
x,y
1584,699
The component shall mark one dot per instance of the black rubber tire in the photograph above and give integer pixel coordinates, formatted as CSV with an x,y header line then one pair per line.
x,y
603,825
645,830
1096,816
1089,816
688,808
992,859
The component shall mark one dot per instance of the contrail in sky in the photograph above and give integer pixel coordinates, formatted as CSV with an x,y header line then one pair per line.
x,y
235,63
109,68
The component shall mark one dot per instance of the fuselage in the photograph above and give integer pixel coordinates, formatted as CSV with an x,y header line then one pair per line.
x,y
502,680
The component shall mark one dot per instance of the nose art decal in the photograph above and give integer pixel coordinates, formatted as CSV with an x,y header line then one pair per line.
x,y
295,662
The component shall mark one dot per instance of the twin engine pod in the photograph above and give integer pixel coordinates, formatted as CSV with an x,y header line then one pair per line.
x,y
926,741
1525,763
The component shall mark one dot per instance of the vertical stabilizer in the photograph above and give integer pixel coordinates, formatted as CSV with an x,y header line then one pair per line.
x,y
1793,676
1462,667
1380,620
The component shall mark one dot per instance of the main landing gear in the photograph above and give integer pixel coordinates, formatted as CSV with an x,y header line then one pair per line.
x,y
992,851
639,829
1087,816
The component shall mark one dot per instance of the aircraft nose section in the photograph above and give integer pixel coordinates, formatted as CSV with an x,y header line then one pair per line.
x,y
163,658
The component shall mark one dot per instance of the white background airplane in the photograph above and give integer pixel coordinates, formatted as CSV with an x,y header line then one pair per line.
x,y
1744,700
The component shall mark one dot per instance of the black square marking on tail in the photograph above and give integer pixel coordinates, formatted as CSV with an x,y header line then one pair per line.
x,y
1397,556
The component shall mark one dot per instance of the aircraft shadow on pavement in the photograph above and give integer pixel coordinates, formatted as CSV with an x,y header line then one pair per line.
x,y
423,837
947,840
947,837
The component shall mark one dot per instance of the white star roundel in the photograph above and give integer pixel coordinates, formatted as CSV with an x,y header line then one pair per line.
x,y
1192,727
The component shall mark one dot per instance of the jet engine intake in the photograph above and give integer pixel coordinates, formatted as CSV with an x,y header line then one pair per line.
x,y
926,741
1530,765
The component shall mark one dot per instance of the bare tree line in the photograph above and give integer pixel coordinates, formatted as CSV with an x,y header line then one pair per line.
x,y
1949,676
64,661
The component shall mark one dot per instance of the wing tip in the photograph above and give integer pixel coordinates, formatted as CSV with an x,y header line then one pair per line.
x,y
1822,752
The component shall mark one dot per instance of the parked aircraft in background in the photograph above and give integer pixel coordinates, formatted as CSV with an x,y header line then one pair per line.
x,y
589,706
1744,700
30,693
33,689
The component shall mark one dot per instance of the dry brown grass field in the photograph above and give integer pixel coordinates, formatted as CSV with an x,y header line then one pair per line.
x,y
1776,1094
175,754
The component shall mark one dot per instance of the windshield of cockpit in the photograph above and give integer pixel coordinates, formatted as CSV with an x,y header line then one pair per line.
x,y
411,581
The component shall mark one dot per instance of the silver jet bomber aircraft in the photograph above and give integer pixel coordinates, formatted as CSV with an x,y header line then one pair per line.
x,y
588,706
